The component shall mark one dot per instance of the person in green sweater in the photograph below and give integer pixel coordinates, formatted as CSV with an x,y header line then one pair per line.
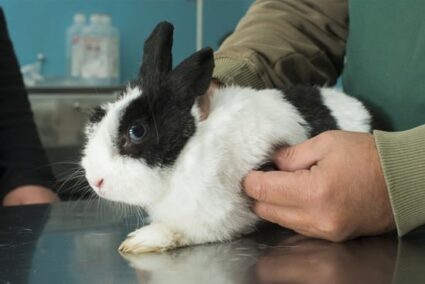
x,y
339,185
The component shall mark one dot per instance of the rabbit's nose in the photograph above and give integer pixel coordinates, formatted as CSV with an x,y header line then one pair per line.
x,y
98,183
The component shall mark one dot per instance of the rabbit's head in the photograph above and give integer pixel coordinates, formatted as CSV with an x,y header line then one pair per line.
x,y
133,143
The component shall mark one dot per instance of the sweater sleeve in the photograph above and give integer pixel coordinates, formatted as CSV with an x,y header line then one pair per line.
x,y
282,42
22,158
402,157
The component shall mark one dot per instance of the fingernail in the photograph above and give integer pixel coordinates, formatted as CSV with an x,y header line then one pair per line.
x,y
252,184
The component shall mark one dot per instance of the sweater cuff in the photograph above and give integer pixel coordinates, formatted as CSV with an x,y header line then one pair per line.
x,y
235,71
402,157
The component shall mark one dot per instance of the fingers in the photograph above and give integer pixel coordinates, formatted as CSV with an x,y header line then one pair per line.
x,y
287,217
298,157
281,198
277,187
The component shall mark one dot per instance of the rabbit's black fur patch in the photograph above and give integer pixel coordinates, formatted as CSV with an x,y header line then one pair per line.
x,y
309,103
167,99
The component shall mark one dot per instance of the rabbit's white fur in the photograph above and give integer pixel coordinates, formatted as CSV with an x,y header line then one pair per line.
x,y
349,113
199,198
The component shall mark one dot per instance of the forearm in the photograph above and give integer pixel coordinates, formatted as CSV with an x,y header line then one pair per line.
x,y
402,157
285,42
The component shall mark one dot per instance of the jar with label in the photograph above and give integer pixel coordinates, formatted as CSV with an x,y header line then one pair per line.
x,y
101,52
75,46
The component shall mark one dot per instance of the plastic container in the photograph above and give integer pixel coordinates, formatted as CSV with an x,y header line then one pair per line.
x,y
101,52
112,49
75,46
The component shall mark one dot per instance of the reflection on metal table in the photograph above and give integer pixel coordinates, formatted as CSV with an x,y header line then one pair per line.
x,y
76,242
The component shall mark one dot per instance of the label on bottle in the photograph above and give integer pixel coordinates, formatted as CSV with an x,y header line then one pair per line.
x,y
101,59
77,55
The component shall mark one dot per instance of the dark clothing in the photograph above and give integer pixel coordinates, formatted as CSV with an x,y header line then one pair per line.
x,y
22,158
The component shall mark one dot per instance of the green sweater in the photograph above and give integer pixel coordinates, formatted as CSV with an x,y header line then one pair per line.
x,y
378,47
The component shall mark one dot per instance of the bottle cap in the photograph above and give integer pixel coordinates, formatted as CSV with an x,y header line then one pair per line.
x,y
106,19
95,19
79,18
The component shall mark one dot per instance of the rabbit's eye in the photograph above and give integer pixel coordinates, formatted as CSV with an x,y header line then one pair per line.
x,y
136,133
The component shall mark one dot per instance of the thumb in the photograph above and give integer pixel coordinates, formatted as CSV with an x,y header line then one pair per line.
x,y
297,157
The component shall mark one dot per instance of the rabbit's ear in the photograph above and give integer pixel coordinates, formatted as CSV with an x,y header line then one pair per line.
x,y
192,77
157,58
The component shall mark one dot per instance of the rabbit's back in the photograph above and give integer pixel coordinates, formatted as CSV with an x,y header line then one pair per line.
x,y
242,130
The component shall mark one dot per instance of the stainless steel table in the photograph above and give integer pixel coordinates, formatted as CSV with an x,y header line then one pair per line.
x,y
76,242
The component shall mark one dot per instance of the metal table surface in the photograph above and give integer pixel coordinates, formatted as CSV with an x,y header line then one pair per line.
x,y
76,242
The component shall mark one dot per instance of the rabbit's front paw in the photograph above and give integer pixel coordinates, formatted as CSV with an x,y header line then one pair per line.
x,y
152,238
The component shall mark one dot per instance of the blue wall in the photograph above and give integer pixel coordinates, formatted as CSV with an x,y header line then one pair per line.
x,y
38,26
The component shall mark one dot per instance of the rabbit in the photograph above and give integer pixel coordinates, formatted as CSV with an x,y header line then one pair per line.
x,y
151,148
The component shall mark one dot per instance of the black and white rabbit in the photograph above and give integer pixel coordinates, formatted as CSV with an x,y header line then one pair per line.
x,y
150,148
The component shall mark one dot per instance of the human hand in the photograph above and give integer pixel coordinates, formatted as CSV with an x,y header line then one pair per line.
x,y
30,194
204,100
298,259
329,187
